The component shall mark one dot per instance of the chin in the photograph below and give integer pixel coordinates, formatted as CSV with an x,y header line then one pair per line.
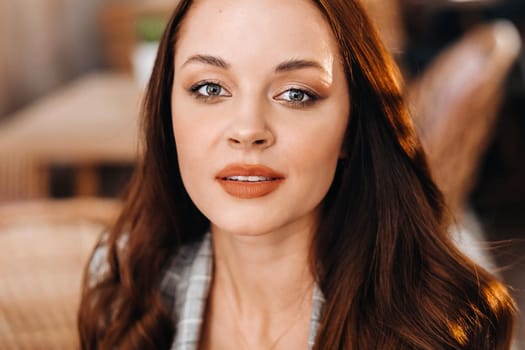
x,y
258,217
244,227
253,224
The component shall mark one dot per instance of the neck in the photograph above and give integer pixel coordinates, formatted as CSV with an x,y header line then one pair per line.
x,y
261,292
263,274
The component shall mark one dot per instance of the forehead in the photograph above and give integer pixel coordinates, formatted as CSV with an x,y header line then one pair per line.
x,y
259,29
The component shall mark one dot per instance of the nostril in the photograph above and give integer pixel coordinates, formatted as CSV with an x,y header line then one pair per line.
x,y
241,141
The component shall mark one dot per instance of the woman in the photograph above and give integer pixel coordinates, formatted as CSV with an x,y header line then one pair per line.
x,y
283,200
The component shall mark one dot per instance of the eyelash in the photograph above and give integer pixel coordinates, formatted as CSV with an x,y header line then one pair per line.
x,y
312,96
194,90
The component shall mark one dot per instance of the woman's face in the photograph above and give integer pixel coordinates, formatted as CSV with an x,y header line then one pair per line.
x,y
260,106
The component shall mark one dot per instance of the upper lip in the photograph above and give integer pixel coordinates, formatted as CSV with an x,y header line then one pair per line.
x,y
248,170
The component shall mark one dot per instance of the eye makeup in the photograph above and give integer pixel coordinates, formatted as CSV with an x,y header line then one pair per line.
x,y
298,97
208,90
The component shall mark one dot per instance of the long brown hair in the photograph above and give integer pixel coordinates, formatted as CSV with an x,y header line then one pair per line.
x,y
390,274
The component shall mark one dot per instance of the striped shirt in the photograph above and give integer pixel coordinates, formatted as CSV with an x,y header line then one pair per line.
x,y
187,281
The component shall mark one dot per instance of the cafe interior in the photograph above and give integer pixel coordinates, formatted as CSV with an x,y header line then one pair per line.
x,y
72,76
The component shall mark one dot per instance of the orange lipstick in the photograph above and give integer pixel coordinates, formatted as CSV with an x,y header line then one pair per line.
x,y
249,181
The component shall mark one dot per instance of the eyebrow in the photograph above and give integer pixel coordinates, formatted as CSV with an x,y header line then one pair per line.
x,y
296,64
286,66
208,59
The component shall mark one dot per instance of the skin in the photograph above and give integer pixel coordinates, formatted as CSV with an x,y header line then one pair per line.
x,y
281,101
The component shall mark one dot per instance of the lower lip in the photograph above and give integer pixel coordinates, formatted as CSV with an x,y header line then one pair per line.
x,y
249,190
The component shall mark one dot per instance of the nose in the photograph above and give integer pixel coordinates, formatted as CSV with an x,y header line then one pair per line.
x,y
250,138
250,130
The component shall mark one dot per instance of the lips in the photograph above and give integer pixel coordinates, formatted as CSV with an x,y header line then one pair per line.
x,y
248,181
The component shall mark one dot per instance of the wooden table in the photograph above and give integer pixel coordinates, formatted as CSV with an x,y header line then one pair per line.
x,y
91,121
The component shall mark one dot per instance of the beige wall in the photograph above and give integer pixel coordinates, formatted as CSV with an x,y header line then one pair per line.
x,y
44,43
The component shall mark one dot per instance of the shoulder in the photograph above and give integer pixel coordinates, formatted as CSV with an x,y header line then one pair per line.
x,y
178,268
99,266
179,263
174,279
176,276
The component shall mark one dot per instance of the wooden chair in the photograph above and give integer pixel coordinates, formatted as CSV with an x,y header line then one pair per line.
x,y
22,176
456,99
455,104
43,249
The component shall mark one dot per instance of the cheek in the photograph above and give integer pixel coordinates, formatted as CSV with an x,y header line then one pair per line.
x,y
185,152
190,139
319,145
194,132
313,155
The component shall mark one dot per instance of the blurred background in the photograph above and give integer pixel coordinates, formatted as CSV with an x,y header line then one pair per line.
x,y
72,74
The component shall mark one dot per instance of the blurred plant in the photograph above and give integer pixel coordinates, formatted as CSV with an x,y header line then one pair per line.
x,y
150,27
